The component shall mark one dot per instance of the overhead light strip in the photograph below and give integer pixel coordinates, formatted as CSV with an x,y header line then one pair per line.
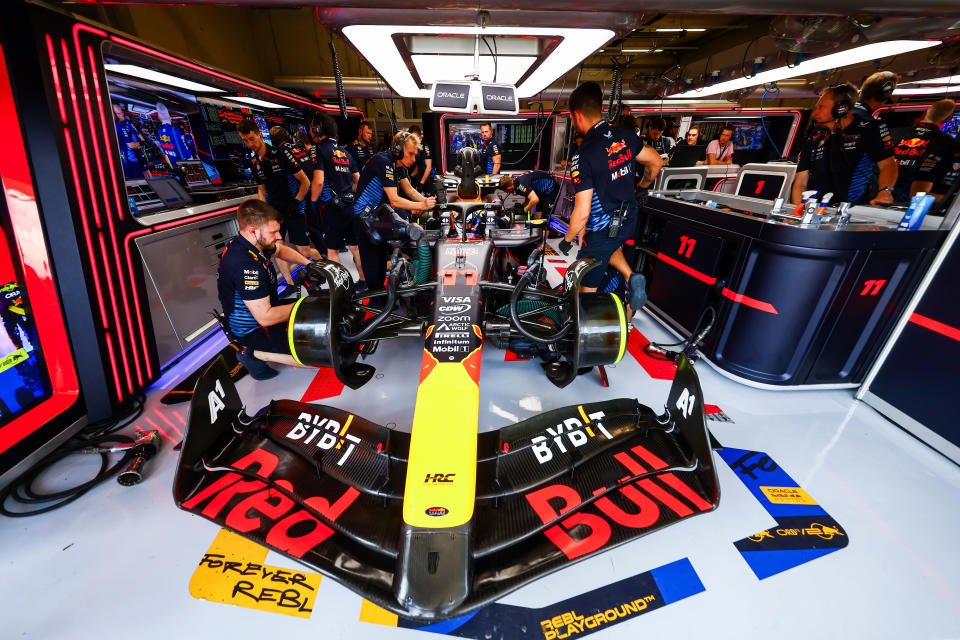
x,y
925,91
940,80
143,73
257,102
375,43
873,51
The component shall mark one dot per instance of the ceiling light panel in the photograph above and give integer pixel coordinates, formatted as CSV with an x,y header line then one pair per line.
x,y
837,60
375,43
940,80
925,91
144,73
433,68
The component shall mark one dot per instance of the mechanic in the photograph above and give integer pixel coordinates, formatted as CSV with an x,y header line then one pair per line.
x,y
335,178
276,171
720,151
605,205
280,136
533,185
247,288
925,155
841,155
362,148
422,173
655,138
378,185
489,151
875,92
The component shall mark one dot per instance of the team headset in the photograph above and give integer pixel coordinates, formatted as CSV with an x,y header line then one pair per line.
x,y
844,100
397,149
316,127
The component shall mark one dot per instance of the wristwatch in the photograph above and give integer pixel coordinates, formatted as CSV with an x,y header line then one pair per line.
x,y
890,189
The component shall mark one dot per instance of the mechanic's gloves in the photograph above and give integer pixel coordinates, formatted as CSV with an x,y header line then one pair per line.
x,y
642,194
293,208
565,247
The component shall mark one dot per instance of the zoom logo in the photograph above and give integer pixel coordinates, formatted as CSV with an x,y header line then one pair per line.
x,y
446,478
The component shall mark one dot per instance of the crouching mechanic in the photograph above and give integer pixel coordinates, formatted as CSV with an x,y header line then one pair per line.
x,y
605,205
247,287
378,185
536,186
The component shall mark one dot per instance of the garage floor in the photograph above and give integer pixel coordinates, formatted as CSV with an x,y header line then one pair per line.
x,y
123,561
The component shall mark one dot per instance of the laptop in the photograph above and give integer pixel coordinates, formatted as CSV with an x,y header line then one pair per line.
x,y
170,192
686,155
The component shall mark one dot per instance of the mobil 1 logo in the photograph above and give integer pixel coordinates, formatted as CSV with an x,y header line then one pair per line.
x,y
453,337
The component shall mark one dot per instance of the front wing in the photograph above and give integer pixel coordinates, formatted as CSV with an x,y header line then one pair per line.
x,y
326,487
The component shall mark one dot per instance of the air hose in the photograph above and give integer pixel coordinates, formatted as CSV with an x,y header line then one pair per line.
x,y
421,264
523,306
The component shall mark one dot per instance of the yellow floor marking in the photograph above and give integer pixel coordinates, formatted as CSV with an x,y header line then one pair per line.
x,y
232,572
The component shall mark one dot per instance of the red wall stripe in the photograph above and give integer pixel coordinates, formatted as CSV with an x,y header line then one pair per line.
x,y
934,325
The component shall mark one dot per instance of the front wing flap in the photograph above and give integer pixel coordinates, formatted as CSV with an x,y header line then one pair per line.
x,y
325,486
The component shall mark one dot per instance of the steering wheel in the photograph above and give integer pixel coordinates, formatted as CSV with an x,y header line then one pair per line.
x,y
475,219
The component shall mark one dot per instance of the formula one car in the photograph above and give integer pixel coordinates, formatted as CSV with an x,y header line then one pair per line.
x,y
435,523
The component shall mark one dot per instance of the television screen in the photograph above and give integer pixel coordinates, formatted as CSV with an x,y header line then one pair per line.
x,y
765,186
748,136
951,126
23,379
516,138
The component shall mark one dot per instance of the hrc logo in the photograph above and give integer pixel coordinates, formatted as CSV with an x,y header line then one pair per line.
x,y
439,477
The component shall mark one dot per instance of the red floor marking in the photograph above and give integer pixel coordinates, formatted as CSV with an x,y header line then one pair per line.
x,y
711,408
510,356
658,369
324,385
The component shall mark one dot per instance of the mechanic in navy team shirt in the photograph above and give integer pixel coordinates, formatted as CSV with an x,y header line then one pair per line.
x,y
422,173
846,154
378,185
335,178
247,288
273,169
362,148
603,172
535,186
489,151
925,155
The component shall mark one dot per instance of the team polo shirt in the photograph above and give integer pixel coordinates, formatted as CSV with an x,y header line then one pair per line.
x,y
377,175
338,168
244,274
275,170
606,162
926,154
361,153
488,150
844,163
539,182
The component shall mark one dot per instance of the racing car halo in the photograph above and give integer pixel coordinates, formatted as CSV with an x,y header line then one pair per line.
x,y
438,522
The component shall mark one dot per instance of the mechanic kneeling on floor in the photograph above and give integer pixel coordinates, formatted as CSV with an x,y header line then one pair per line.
x,y
605,206
247,287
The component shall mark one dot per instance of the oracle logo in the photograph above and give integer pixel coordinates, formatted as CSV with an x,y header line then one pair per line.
x,y
450,94
498,98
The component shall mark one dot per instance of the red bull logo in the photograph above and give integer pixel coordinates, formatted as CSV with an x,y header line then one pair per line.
x,y
911,147
616,147
912,142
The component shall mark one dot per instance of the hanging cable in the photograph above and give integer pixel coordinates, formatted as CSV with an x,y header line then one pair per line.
x,y
338,77
773,91
615,104
492,55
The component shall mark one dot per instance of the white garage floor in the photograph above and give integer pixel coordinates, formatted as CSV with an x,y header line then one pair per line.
x,y
119,561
